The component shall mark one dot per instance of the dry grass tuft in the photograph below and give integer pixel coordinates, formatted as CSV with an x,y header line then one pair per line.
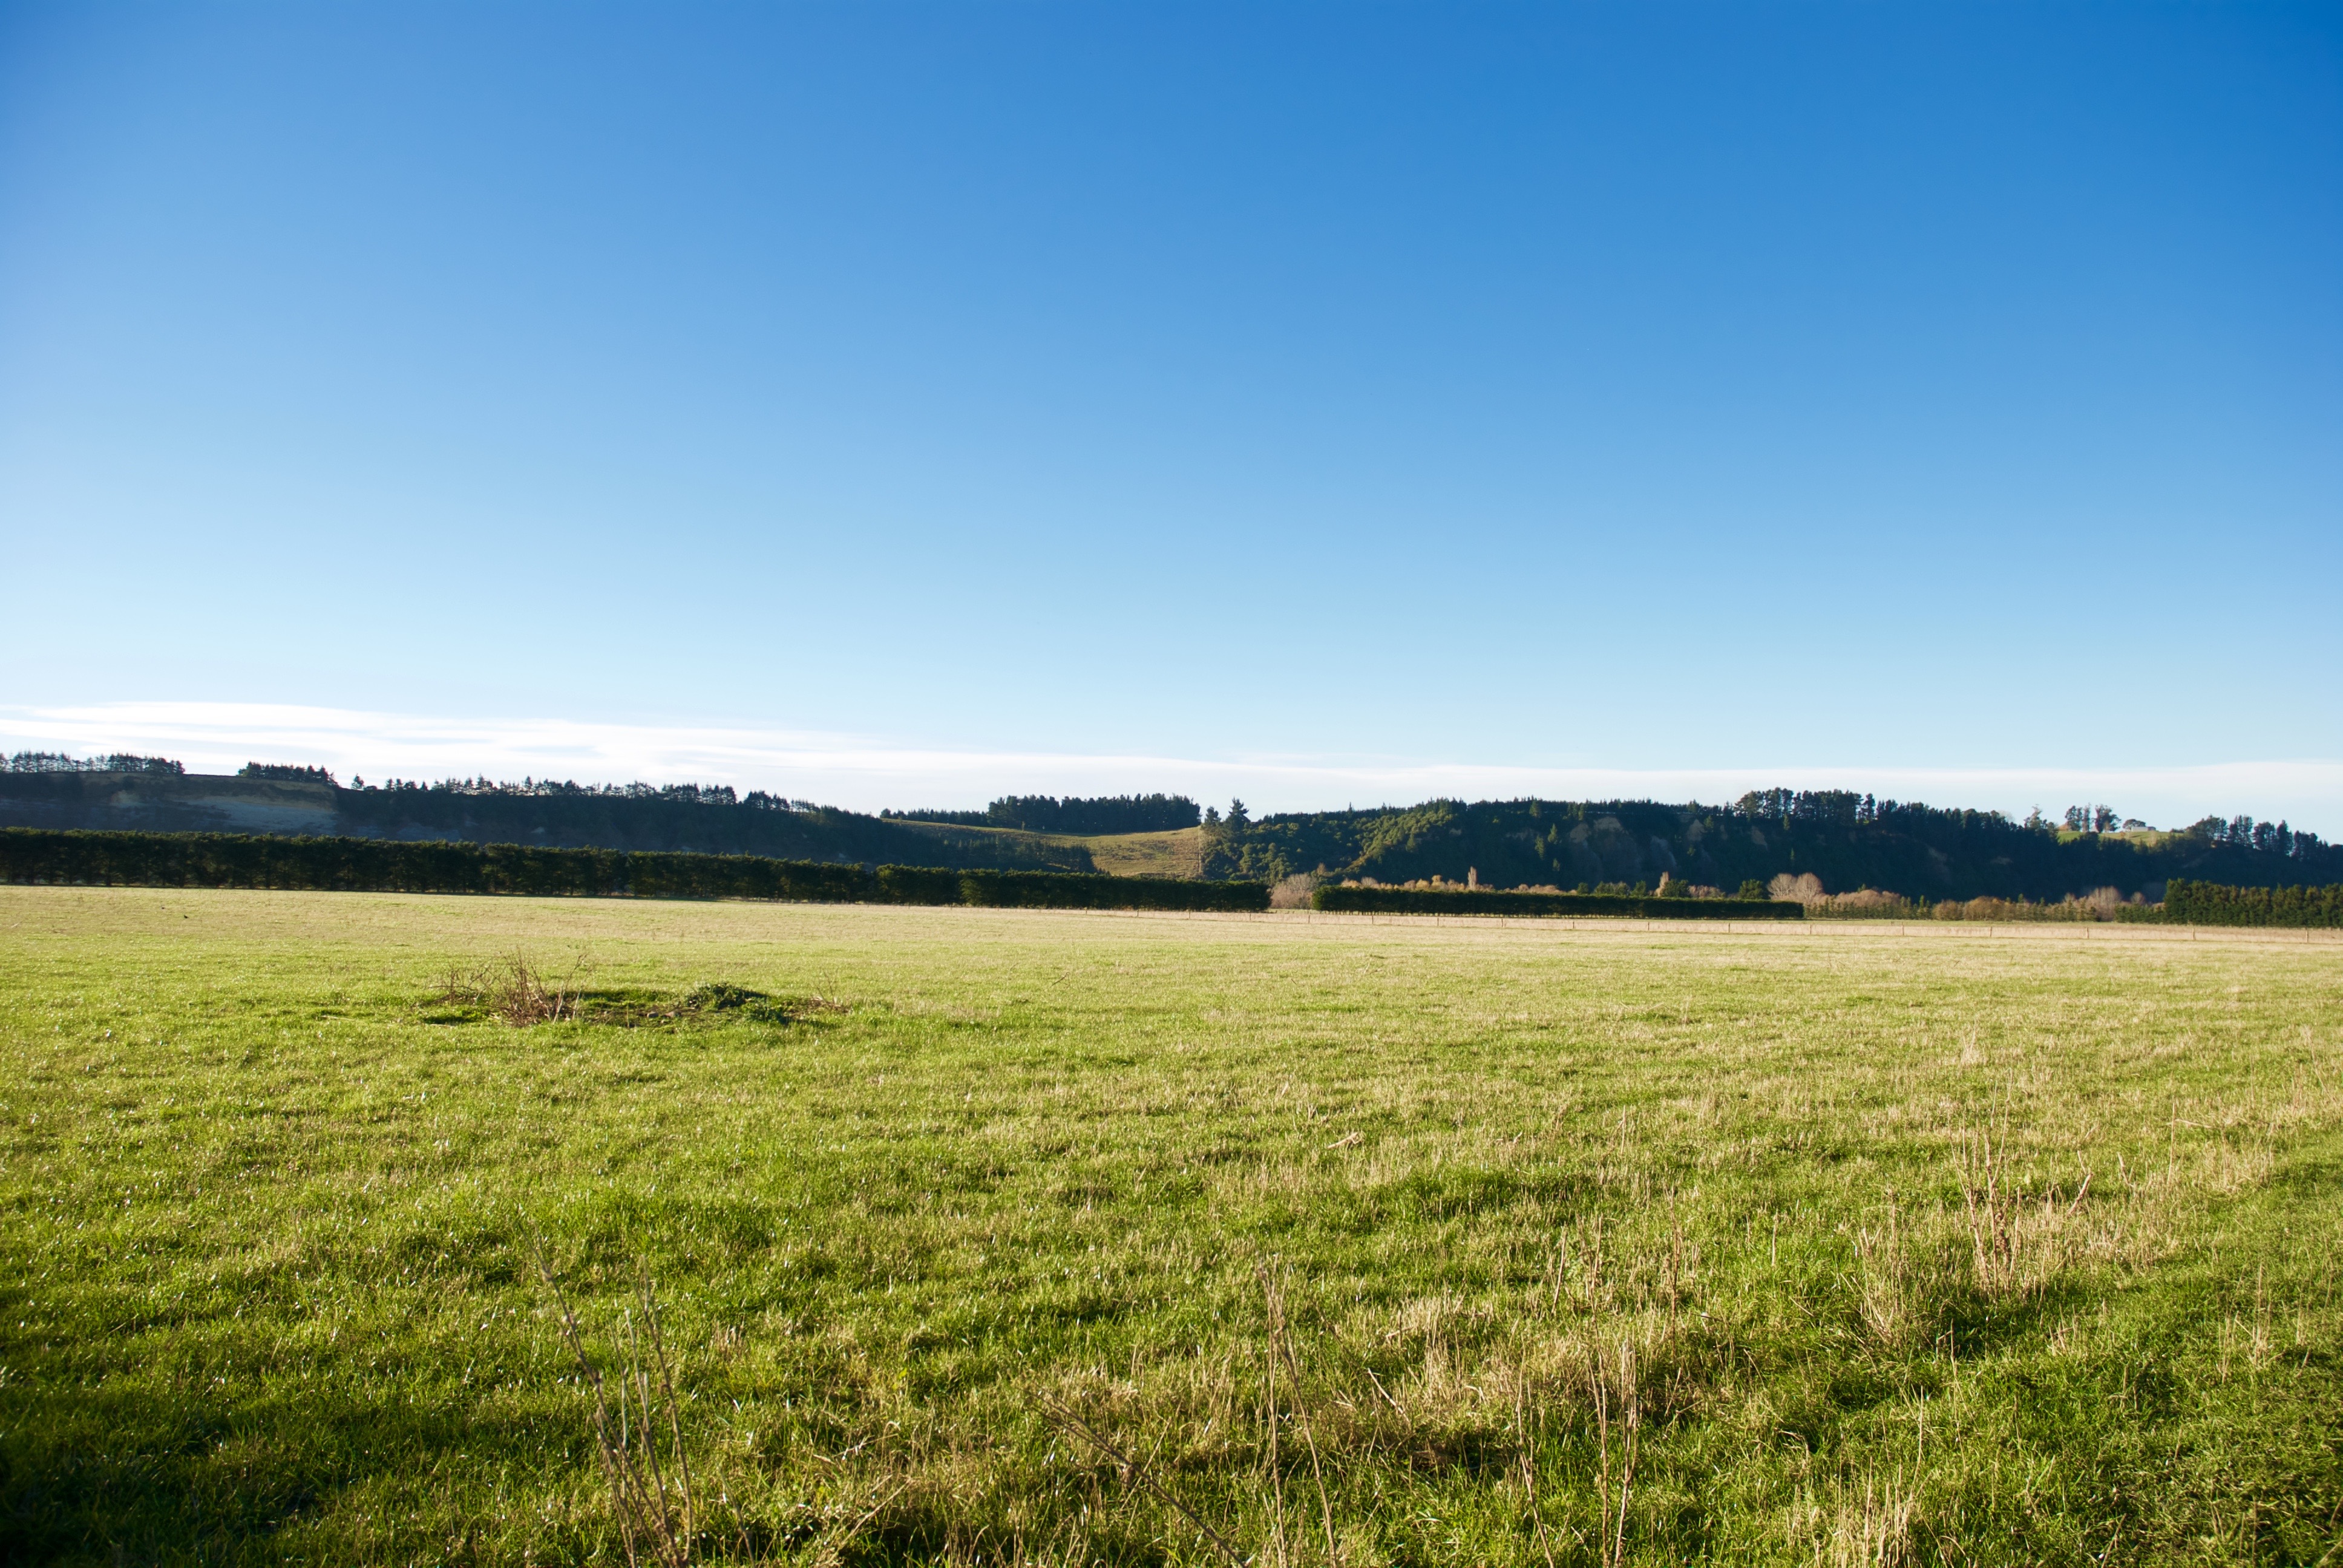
x,y
2019,1240
1885,1275
1868,1523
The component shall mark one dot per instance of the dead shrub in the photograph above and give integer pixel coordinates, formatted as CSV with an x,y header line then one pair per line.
x,y
1803,889
514,990
1293,892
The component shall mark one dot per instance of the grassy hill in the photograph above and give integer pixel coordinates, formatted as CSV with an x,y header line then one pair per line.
x,y
1176,853
1180,853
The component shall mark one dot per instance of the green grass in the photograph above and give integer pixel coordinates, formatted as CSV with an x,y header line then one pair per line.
x,y
271,1200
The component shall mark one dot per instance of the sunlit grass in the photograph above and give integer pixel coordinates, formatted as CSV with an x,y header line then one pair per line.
x,y
1882,1245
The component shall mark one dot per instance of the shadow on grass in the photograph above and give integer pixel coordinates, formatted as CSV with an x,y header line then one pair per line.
x,y
114,1475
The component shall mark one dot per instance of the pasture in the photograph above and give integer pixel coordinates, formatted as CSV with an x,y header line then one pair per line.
x,y
1031,1237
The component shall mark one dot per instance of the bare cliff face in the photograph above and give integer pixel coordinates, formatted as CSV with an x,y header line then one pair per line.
x,y
167,803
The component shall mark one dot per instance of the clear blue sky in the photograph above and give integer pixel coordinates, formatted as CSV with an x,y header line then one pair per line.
x,y
1642,388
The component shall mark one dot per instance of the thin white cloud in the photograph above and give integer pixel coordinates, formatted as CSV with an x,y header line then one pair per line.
x,y
850,771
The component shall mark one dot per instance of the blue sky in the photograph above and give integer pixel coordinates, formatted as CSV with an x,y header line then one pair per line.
x,y
1305,400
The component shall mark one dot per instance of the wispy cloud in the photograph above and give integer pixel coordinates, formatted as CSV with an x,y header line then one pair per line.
x,y
852,770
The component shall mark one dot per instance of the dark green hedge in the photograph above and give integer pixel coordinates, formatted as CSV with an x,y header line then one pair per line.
x,y
1487,901
394,866
2212,904
914,885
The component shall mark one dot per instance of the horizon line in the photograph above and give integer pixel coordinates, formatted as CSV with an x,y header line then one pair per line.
x,y
855,772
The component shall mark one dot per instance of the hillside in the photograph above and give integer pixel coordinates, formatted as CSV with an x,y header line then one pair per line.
x,y
1849,842
1178,853
680,819
1174,854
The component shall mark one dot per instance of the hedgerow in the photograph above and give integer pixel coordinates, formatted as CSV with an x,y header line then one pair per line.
x,y
1335,897
389,865
2212,904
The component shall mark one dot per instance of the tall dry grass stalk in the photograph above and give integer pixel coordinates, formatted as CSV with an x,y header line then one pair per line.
x,y
1135,1472
649,1470
1281,1347
1609,1379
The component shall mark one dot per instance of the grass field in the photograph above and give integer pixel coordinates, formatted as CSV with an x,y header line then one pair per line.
x,y
1078,1237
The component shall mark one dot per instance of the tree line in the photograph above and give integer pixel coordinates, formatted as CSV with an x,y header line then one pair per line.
x,y
570,789
117,762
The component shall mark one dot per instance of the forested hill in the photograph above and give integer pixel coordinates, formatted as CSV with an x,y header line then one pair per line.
x,y
1106,814
286,800
1848,840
